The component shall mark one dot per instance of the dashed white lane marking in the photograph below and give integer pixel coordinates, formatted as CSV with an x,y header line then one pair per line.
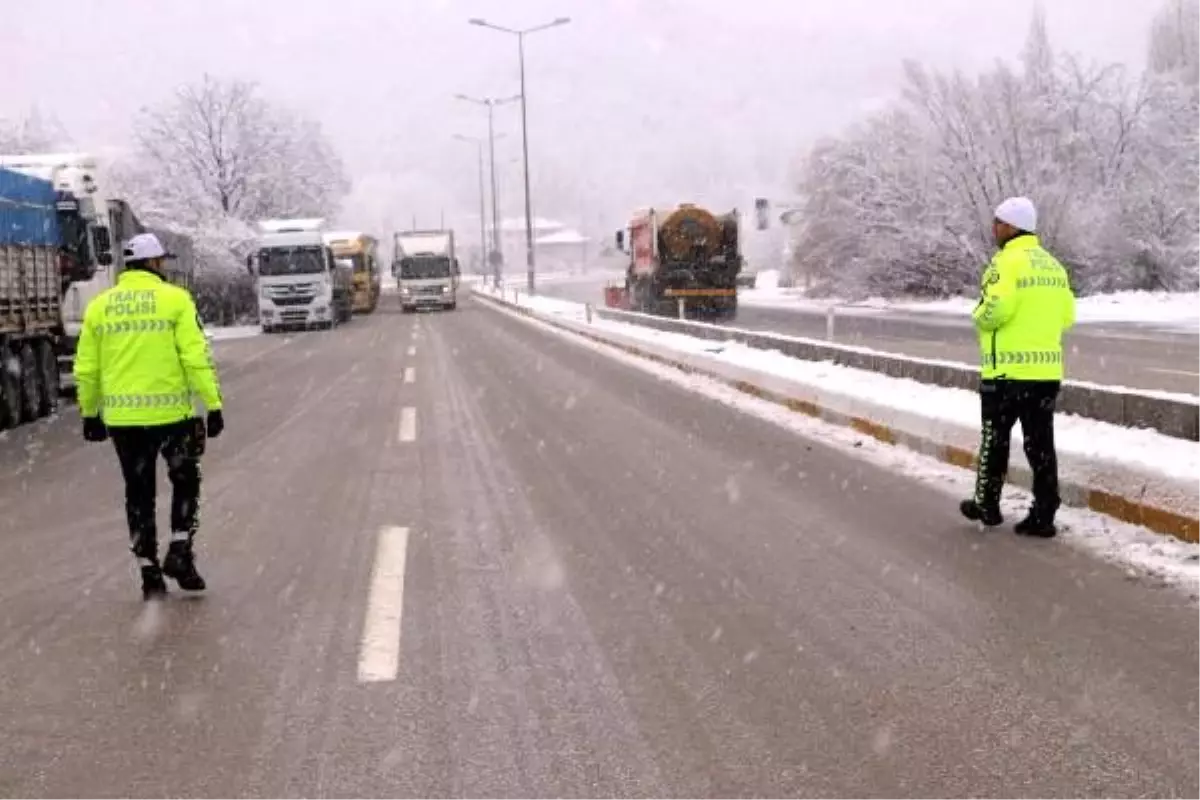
x,y
412,350
410,374
408,424
379,652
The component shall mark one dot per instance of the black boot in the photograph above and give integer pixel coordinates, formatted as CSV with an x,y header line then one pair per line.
x,y
1037,524
180,565
153,585
977,513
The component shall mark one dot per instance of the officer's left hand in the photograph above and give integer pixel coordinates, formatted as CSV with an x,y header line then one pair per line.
x,y
216,424
94,430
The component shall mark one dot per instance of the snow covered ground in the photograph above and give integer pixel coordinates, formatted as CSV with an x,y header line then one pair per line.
x,y
1171,310
1139,549
225,333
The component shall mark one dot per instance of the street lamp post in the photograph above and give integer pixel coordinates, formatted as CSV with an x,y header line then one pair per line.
x,y
521,34
483,245
490,104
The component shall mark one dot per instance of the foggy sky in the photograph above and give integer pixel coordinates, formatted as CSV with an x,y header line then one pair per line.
x,y
635,102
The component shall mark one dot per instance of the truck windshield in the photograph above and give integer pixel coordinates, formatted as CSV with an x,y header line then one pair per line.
x,y
291,261
355,262
427,267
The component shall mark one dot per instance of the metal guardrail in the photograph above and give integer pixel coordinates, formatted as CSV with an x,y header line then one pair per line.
x,y
1173,417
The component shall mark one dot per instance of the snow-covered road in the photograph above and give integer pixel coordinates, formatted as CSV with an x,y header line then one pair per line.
x,y
453,554
1115,344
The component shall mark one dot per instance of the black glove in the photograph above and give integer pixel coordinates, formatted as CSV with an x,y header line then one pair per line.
x,y
94,430
216,424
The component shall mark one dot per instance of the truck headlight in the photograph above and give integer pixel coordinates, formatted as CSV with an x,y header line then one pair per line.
x,y
445,290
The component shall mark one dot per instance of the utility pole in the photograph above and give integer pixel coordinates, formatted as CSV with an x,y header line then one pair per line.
x,y
483,239
521,34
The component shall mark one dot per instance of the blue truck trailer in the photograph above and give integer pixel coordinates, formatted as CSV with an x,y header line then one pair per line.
x,y
33,261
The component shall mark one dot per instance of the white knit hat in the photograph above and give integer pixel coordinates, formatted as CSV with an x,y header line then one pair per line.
x,y
144,247
1018,212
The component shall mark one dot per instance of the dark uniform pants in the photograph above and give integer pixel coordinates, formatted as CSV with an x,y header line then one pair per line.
x,y
1005,402
138,448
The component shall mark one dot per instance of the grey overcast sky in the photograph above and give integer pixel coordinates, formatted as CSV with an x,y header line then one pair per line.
x,y
634,102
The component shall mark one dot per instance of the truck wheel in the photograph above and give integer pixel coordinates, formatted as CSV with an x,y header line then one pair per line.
x,y
48,365
31,383
10,390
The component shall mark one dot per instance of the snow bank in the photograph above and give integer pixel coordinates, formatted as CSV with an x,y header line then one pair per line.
x,y
767,281
224,334
935,414
1174,310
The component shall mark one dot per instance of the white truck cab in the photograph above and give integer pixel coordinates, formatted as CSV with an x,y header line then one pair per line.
x,y
426,270
300,284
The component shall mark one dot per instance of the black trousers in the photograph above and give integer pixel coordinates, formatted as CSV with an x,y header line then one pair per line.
x,y
138,448
1005,402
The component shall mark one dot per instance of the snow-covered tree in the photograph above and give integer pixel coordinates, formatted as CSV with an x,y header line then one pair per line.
x,y
35,133
902,202
1175,40
227,150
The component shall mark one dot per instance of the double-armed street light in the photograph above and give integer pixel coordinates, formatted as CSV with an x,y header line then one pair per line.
x,y
521,34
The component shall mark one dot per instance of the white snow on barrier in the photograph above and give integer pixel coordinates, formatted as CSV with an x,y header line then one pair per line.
x,y
1169,310
1165,471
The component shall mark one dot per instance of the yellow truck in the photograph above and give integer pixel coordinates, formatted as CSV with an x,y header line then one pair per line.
x,y
360,251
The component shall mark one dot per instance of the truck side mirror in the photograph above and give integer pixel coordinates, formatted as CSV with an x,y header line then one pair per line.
x,y
621,241
457,271
250,263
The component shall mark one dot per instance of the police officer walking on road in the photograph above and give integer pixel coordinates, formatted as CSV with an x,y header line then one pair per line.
x,y
142,356
1025,306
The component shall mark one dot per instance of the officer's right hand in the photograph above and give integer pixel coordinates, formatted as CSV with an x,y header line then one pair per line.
x,y
94,430
216,424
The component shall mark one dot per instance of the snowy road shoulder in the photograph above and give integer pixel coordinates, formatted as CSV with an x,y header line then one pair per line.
x,y
1112,451
230,332
1167,311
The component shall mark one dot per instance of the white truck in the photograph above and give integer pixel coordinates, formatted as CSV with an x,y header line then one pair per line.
x,y
89,221
300,283
426,269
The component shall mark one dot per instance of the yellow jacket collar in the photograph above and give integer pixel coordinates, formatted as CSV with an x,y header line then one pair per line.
x,y
1025,241
137,275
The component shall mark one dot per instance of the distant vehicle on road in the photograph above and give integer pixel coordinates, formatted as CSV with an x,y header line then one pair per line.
x,y
300,283
360,252
426,269
682,258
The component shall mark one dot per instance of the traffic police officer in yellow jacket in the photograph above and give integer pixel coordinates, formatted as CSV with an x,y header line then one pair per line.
x,y
1025,306
141,358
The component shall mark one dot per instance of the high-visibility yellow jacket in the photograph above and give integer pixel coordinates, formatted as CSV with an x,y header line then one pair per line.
x,y
142,355
1025,305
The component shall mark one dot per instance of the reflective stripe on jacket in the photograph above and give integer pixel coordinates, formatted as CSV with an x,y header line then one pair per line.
x,y
142,355
1025,305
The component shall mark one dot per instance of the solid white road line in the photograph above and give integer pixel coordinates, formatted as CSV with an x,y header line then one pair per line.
x,y
410,374
408,424
379,652
412,351
1165,371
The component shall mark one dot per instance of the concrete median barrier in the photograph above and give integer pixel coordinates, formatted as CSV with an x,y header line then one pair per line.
x,y
1165,413
1132,491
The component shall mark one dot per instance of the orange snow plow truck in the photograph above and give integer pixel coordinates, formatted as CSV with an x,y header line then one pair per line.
x,y
683,262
